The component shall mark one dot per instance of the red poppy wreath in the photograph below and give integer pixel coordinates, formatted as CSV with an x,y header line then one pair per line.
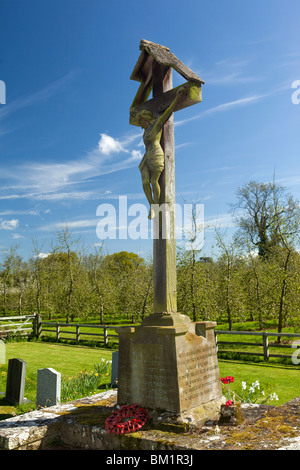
x,y
129,418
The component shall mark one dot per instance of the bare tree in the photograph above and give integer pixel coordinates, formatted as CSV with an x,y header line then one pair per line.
x,y
96,262
6,275
263,212
68,244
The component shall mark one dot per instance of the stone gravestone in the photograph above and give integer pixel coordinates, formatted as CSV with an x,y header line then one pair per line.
x,y
48,387
2,357
114,368
168,362
2,352
15,384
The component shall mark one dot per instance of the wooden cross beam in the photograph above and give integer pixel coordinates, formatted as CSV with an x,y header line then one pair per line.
x,y
159,104
154,71
153,54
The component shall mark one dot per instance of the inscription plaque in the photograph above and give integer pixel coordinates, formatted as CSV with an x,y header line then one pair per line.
x,y
198,376
173,369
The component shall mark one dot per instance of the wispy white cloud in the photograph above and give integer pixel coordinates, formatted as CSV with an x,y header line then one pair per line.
x,y
136,155
219,221
222,169
76,224
233,78
62,196
261,40
9,224
37,97
224,107
32,99
230,71
17,236
59,181
20,212
4,131
293,180
56,181
289,60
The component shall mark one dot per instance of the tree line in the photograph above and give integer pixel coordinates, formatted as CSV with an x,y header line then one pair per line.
x,y
255,275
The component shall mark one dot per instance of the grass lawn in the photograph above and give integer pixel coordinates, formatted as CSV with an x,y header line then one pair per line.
x,y
64,358
273,378
69,360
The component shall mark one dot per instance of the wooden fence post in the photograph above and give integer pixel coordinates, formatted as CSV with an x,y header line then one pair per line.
x,y
57,332
34,325
105,335
77,333
40,326
266,346
37,325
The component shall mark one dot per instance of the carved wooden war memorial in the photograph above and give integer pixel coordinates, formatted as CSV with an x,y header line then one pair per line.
x,y
168,362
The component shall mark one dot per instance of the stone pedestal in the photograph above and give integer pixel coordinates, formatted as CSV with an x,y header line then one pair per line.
x,y
169,363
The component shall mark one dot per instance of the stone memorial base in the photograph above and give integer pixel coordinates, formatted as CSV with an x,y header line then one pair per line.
x,y
80,425
170,364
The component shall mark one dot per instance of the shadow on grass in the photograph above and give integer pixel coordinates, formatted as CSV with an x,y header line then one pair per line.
x,y
7,410
273,365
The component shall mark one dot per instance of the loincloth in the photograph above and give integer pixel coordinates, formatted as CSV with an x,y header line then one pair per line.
x,y
152,162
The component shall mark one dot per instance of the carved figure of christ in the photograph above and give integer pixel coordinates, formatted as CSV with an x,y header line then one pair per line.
x,y
153,162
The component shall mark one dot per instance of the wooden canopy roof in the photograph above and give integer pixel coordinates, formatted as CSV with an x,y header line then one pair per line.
x,y
151,51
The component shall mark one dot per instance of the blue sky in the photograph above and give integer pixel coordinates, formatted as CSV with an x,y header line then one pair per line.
x,y
66,145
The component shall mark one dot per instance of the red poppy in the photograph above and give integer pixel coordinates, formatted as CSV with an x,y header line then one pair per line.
x,y
229,402
229,379
224,380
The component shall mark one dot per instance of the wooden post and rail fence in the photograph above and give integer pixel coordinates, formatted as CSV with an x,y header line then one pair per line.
x,y
77,331
265,343
33,325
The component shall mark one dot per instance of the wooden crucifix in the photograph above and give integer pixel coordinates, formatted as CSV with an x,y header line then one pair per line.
x,y
154,71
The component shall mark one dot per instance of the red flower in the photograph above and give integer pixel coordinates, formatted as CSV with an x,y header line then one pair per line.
x,y
228,403
229,379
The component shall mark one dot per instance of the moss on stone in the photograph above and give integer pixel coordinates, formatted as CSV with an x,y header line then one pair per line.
x,y
132,441
174,428
239,415
93,414
269,429
164,444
